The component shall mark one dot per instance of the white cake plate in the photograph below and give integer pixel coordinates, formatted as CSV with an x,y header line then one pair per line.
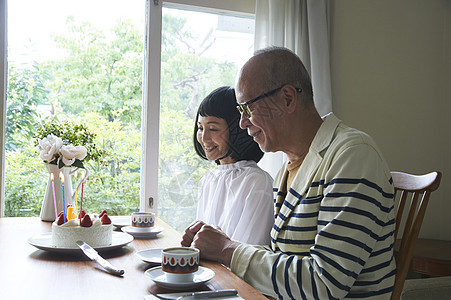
x,y
43,241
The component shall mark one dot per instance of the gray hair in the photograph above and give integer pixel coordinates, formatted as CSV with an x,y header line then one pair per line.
x,y
282,66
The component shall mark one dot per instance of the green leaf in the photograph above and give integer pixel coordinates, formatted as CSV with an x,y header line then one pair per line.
x,y
78,163
60,164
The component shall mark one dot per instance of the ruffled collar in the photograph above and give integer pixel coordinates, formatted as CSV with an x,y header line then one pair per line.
x,y
237,165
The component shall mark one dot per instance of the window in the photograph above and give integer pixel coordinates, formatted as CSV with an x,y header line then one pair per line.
x,y
201,51
94,74
72,63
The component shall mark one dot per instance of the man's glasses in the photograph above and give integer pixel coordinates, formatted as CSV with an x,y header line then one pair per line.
x,y
244,107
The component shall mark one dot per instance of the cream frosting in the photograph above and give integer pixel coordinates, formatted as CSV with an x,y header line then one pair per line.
x,y
67,234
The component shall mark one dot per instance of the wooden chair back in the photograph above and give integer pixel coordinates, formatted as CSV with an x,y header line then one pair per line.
x,y
412,194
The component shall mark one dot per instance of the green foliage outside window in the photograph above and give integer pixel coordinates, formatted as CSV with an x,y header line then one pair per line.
x,y
99,84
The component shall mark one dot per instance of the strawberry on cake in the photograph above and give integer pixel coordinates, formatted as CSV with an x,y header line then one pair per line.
x,y
96,231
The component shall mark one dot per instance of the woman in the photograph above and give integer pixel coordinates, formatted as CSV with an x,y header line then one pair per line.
x,y
237,195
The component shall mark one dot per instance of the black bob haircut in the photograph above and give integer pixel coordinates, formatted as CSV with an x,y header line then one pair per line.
x,y
221,103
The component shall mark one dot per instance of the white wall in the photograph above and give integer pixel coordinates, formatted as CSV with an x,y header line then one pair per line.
x,y
391,77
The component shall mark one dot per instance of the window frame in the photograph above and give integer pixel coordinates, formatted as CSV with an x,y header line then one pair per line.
x,y
151,90
151,108
3,85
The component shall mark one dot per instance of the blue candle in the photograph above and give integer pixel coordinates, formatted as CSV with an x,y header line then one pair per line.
x,y
64,204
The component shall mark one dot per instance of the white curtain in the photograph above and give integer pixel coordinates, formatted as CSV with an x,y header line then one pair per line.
x,y
301,26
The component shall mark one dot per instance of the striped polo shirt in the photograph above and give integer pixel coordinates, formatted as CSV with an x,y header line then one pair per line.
x,y
333,232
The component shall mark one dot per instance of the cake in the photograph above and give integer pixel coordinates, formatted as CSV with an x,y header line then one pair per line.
x,y
96,231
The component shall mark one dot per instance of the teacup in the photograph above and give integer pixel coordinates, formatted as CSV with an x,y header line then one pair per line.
x,y
143,221
180,263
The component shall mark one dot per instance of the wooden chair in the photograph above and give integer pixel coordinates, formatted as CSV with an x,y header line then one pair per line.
x,y
413,190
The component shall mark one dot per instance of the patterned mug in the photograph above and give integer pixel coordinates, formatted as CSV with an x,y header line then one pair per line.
x,y
180,263
143,221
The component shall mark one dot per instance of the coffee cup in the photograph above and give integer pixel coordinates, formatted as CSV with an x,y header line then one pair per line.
x,y
143,221
180,263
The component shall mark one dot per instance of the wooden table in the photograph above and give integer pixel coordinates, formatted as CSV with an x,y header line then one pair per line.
x,y
432,257
30,273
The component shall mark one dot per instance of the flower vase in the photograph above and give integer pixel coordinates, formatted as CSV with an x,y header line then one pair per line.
x,y
48,204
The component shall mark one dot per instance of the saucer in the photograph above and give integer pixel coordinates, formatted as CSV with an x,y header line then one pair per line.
x,y
200,277
140,234
152,256
121,221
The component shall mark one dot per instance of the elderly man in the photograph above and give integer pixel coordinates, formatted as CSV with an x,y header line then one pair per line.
x,y
334,215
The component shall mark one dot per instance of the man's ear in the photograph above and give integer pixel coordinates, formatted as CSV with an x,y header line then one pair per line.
x,y
289,97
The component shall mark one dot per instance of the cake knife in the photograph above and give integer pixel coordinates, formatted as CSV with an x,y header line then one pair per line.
x,y
94,255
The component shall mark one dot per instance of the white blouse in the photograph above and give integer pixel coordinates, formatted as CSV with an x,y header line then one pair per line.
x,y
238,198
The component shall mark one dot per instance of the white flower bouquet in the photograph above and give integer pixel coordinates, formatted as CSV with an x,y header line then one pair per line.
x,y
51,149
66,144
